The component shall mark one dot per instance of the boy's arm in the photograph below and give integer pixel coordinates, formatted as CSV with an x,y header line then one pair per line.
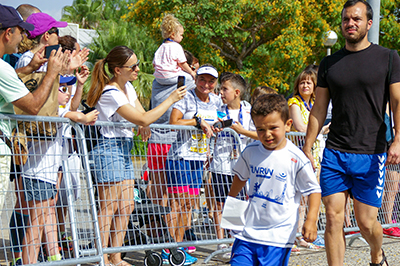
x,y
185,67
241,130
236,187
309,230
82,118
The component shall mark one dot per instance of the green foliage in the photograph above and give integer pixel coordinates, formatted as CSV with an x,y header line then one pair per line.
x,y
268,42
139,147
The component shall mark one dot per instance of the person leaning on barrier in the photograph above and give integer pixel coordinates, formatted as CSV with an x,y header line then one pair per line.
x,y
116,100
355,78
12,91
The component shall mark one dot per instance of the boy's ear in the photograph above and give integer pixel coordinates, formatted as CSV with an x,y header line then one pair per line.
x,y
237,93
288,125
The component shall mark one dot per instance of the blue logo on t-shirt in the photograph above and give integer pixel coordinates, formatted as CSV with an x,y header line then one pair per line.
x,y
262,171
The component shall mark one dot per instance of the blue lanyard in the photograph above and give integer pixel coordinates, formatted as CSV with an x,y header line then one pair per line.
x,y
168,39
305,104
240,114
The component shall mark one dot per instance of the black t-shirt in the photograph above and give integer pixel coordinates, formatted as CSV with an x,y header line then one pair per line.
x,y
357,84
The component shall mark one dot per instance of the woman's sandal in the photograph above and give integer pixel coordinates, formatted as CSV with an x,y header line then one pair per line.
x,y
382,261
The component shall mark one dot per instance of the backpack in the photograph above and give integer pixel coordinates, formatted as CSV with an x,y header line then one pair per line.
x,y
92,132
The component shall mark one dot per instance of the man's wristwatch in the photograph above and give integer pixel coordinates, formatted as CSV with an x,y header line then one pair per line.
x,y
198,121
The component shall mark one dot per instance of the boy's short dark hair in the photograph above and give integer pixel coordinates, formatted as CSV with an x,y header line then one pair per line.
x,y
269,103
237,81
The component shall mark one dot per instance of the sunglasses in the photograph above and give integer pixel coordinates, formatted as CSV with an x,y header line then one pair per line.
x,y
133,67
63,89
53,30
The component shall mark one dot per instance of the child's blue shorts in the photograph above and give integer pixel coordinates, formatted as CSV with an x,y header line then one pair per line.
x,y
251,254
362,174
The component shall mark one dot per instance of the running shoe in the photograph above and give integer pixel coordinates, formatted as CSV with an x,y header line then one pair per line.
x,y
394,231
189,259
319,241
16,261
66,242
190,249
165,256
190,235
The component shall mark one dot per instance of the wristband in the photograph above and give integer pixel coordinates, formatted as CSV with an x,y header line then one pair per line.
x,y
198,122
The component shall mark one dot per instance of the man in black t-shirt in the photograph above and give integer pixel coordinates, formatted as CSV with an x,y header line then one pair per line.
x,y
356,80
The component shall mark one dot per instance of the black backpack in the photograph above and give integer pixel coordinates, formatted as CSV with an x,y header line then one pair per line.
x,y
92,133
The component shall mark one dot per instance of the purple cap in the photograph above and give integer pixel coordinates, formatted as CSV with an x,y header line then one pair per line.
x,y
9,17
43,23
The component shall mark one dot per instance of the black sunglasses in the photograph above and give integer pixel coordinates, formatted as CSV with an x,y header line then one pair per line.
x,y
133,67
53,30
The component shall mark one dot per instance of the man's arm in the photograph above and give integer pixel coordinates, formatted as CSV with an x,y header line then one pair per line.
x,y
316,120
394,150
33,102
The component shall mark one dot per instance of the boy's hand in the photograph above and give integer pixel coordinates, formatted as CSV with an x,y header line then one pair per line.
x,y
82,75
91,117
238,127
309,231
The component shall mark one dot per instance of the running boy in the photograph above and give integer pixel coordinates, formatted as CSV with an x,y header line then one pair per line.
x,y
279,174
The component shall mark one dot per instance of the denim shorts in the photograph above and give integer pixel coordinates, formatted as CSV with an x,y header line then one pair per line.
x,y
112,160
38,190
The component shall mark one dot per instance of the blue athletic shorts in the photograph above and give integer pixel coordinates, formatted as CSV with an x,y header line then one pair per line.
x,y
363,175
184,176
250,254
112,160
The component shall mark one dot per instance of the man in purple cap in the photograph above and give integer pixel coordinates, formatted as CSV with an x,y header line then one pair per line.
x,y
12,91
44,34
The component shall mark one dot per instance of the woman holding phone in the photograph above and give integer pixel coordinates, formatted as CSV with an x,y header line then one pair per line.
x,y
187,155
116,100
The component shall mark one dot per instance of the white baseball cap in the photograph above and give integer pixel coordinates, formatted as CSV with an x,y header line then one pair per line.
x,y
207,70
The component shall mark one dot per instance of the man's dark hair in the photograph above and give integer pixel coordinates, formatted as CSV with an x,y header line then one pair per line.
x,y
269,103
350,3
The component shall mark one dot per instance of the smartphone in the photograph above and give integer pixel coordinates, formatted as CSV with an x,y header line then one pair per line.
x,y
50,48
224,123
181,81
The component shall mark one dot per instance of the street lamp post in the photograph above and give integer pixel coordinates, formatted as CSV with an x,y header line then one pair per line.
x,y
330,38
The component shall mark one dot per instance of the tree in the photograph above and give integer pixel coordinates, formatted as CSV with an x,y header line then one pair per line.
x,y
86,13
268,42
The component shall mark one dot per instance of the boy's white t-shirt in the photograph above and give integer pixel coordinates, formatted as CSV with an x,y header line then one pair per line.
x,y
223,159
166,60
277,180
108,105
193,145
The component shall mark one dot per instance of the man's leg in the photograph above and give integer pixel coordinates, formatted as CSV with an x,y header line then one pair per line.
x,y
370,228
335,243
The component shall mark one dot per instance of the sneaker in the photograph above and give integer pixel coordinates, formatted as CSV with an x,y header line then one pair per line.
x,y
66,243
319,242
189,259
16,261
190,235
190,249
394,231
165,256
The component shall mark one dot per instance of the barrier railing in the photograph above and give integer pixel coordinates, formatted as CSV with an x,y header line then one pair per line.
x,y
105,205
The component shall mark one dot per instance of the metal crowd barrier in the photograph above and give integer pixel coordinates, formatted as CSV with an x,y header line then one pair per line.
x,y
98,219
